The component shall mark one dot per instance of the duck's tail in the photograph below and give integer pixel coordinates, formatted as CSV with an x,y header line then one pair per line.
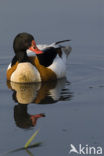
x,y
61,41
65,49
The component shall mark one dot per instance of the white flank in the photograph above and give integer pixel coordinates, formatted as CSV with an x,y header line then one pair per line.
x,y
59,67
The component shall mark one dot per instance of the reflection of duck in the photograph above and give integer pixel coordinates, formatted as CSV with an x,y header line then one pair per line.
x,y
40,93
23,119
49,63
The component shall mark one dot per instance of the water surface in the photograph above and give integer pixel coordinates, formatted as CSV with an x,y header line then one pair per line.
x,y
73,107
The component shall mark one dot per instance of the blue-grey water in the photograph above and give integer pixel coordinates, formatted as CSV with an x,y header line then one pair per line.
x,y
74,114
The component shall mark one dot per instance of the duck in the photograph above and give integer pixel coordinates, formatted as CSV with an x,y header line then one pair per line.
x,y
37,63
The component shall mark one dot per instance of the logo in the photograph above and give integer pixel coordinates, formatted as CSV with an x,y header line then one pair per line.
x,y
86,150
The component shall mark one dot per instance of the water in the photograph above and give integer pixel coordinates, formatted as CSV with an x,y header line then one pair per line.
x,y
73,107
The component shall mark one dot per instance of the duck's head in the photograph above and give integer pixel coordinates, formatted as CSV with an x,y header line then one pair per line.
x,y
23,42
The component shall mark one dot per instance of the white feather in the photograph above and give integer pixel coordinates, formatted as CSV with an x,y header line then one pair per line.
x,y
59,67
9,66
44,46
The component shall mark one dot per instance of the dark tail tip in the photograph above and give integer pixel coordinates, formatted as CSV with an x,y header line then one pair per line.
x,y
62,41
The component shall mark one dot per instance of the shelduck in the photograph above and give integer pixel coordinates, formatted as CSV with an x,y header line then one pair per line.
x,y
36,63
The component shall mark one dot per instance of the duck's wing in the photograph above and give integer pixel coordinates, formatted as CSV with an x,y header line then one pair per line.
x,y
54,45
57,45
